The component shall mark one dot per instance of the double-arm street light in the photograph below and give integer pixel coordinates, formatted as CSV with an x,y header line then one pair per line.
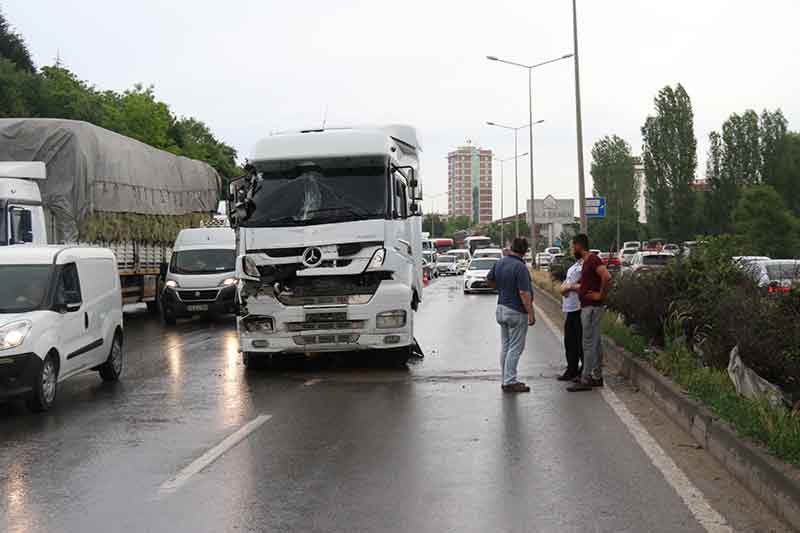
x,y
502,194
516,170
534,236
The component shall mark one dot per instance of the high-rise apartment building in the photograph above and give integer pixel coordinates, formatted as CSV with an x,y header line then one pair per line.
x,y
469,185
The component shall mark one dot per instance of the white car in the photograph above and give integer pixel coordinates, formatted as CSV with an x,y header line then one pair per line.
x,y
60,315
447,265
552,250
463,258
495,253
632,245
776,275
475,276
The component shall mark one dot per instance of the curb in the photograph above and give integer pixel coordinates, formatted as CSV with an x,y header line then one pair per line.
x,y
775,483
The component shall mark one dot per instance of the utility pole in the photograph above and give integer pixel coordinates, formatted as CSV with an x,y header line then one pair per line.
x,y
579,123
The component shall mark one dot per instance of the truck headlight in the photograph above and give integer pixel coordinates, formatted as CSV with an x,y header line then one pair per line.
x,y
250,268
258,324
377,259
390,319
13,334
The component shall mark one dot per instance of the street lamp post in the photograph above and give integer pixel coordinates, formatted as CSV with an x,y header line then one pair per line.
x,y
579,123
515,129
502,194
534,236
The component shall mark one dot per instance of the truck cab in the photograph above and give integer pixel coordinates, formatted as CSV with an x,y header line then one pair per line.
x,y
329,242
21,212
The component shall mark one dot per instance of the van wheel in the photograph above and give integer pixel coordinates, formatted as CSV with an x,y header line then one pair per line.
x,y
45,387
152,307
168,317
114,366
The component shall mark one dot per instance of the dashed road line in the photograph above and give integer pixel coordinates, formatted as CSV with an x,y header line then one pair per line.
x,y
211,455
698,505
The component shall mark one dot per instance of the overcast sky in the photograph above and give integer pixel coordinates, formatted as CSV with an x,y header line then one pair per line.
x,y
252,66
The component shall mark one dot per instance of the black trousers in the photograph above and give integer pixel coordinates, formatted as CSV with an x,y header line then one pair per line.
x,y
573,342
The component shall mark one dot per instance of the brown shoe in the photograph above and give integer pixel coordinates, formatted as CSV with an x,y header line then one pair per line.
x,y
516,387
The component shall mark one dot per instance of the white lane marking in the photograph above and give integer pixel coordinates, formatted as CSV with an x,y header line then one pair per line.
x,y
312,382
701,510
212,455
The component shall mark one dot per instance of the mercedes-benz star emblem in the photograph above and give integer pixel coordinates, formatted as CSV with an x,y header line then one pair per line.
x,y
312,257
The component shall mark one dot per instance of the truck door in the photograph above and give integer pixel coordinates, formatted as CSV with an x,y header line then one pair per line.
x,y
403,242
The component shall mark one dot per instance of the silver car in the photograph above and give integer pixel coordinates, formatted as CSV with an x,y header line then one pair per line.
x,y
475,276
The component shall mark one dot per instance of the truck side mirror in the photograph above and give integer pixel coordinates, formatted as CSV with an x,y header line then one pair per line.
x,y
414,208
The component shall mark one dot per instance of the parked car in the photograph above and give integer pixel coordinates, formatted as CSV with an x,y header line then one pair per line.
x,y
552,250
610,259
463,258
543,260
648,261
496,253
447,265
777,275
632,245
555,258
671,248
475,276
595,251
627,256
60,315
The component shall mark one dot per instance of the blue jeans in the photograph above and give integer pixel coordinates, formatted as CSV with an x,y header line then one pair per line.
x,y
513,330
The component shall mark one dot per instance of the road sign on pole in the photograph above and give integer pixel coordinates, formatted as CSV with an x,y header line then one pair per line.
x,y
595,207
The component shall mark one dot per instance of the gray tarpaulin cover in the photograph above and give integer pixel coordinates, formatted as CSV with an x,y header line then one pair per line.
x,y
92,170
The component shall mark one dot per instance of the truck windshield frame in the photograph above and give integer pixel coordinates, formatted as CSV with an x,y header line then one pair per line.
x,y
319,191
27,285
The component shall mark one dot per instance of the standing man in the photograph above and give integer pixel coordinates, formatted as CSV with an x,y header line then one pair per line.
x,y
592,290
573,332
514,313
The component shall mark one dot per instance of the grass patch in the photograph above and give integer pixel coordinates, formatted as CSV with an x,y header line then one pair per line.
x,y
623,335
775,428
543,280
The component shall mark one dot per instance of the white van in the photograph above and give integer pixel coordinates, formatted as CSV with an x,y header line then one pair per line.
x,y
201,275
60,314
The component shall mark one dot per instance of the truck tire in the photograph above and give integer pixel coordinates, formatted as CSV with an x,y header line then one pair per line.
x,y
253,361
45,387
114,366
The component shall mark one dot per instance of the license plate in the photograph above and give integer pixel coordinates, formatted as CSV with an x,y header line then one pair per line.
x,y
197,308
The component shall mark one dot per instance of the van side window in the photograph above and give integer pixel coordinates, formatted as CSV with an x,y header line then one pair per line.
x,y
69,286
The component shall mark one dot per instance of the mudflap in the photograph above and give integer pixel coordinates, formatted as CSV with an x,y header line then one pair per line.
x,y
416,351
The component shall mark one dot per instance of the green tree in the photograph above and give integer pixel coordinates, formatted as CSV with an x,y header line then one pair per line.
x,y
13,47
196,141
741,156
764,225
724,189
786,175
773,129
670,159
63,95
16,88
614,178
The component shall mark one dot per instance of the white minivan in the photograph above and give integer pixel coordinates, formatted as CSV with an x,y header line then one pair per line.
x,y
201,275
60,314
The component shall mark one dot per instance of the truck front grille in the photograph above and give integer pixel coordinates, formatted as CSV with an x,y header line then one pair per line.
x,y
303,340
312,326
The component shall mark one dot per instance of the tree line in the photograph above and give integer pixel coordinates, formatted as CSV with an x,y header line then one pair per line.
x,y
751,191
55,92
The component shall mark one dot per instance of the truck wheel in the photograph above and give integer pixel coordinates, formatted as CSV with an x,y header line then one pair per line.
x,y
114,366
45,387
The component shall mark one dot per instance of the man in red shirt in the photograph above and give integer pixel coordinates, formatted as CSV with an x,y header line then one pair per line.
x,y
592,290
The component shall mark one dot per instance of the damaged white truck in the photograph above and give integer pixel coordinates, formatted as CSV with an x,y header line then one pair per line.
x,y
329,241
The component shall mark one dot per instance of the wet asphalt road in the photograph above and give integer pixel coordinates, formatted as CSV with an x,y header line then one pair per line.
x,y
435,447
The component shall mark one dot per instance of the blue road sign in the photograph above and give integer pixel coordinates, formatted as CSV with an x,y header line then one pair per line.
x,y
595,207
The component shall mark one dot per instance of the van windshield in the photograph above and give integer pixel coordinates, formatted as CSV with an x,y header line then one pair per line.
x,y
24,287
304,193
203,261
